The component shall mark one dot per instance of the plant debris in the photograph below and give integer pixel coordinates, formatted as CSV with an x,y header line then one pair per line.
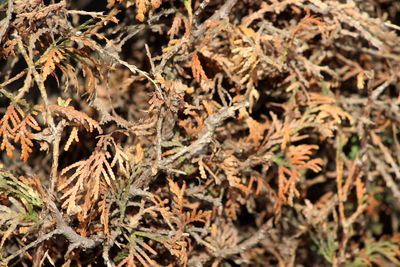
x,y
199,133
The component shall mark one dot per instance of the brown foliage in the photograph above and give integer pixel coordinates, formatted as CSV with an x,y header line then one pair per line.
x,y
191,133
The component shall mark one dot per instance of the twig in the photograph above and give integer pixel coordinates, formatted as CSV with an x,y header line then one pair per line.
x,y
245,245
27,85
4,23
205,136
56,154
360,209
33,244
157,16
159,135
131,67
171,170
376,93
74,239
207,131
132,31
56,133
106,256
202,242
8,67
200,9
13,79
390,25
170,53
339,186
134,69
221,13
381,167
150,59
85,13
386,154
39,81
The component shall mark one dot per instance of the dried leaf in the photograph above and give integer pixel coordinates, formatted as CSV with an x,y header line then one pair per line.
x,y
197,69
85,181
14,126
72,137
71,114
50,60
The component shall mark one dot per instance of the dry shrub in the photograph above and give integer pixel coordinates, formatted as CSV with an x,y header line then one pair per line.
x,y
198,133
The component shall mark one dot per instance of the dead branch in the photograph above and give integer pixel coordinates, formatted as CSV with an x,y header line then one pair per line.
x,y
76,241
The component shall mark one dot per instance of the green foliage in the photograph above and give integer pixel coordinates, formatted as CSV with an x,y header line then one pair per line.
x,y
24,208
325,244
